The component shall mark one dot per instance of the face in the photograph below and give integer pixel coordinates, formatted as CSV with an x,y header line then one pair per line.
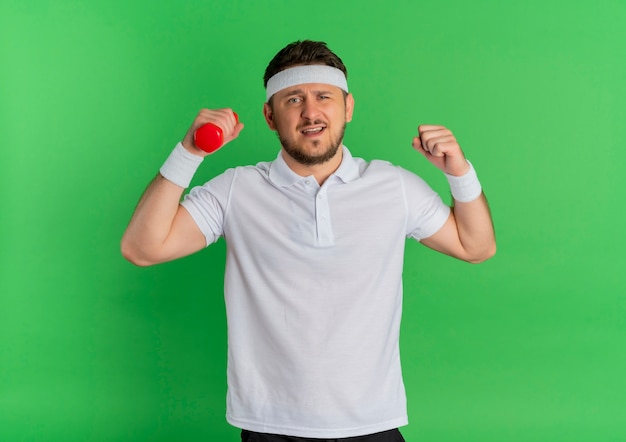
x,y
310,120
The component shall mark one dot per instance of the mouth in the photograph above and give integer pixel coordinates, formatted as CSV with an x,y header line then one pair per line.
x,y
311,131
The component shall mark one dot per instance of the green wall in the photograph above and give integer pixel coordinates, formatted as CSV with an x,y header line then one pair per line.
x,y
530,346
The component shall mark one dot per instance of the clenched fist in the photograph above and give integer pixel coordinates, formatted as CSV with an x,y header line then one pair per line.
x,y
439,146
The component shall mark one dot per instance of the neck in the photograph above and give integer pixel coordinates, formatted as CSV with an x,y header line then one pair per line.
x,y
320,172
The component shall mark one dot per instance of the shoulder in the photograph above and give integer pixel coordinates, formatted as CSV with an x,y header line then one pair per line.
x,y
384,169
412,184
237,173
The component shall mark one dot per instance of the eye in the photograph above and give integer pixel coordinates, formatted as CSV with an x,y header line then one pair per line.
x,y
294,100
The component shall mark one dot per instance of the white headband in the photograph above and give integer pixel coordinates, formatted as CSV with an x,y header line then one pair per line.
x,y
314,73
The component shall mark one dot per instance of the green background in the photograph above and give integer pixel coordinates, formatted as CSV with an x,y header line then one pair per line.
x,y
529,346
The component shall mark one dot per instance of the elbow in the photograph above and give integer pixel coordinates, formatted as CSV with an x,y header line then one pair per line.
x,y
137,261
483,255
134,255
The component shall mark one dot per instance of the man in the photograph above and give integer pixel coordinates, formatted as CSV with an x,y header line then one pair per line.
x,y
315,244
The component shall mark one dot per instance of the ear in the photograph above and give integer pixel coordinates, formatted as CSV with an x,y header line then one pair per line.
x,y
349,107
269,116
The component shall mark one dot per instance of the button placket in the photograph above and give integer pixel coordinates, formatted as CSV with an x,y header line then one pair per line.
x,y
324,229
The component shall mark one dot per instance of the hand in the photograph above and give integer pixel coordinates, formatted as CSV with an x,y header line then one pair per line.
x,y
440,147
223,118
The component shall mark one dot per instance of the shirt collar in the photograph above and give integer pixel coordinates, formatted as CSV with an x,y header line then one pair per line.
x,y
282,175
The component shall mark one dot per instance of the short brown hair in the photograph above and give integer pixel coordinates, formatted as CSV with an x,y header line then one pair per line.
x,y
303,52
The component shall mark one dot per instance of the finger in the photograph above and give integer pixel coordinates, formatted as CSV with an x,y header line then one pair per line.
x,y
235,133
433,130
446,148
431,143
438,150
221,117
417,145
423,128
429,135
420,144
435,133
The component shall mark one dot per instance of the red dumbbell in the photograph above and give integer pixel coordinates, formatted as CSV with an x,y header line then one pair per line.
x,y
210,137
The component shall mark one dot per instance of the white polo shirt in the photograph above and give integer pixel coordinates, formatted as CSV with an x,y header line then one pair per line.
x,y
313,291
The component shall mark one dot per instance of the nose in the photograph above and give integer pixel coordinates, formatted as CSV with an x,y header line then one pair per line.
x,y
310,110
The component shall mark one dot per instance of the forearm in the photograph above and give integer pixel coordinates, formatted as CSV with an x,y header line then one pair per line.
x,y
468,233
475,229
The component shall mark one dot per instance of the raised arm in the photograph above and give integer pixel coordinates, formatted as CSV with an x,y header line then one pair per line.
x,y
161,229
468,234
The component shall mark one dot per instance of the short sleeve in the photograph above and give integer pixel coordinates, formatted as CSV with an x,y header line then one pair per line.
x,y
208,204
426,212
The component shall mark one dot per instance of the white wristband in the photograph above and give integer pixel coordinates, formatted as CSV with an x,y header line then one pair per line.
x,y
180,166
465,188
